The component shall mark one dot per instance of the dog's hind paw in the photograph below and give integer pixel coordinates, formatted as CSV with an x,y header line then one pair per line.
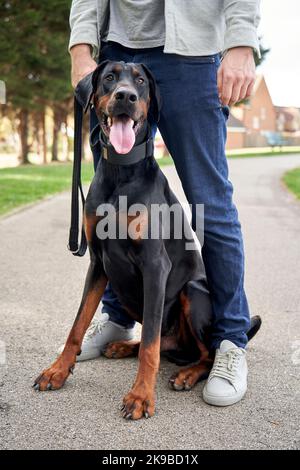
x,y
121,349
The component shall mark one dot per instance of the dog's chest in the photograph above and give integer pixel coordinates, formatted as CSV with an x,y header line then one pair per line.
x,y
124,276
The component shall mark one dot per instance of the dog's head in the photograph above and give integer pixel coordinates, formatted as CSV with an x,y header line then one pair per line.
x,y
124,94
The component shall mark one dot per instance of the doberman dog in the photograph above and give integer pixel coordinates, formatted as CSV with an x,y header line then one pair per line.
x,y
160,283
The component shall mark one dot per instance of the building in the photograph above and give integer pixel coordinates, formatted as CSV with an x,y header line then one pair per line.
x,y
257,119
235,133
287,119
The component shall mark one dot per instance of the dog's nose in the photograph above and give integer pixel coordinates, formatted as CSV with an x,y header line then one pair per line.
x,y
125,95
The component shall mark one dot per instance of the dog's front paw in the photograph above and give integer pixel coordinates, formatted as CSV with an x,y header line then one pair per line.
x,y
53,378
138,405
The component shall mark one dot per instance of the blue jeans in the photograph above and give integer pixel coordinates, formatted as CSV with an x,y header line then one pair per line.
x,y
193,127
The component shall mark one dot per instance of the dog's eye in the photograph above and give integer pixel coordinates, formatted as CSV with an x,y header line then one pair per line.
x,y
140,80
109,77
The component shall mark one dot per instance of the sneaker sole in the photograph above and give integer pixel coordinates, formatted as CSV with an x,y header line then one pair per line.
x,y
222,401
88,356
83,356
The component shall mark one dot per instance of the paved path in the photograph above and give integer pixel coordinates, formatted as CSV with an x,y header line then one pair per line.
x,y
40,292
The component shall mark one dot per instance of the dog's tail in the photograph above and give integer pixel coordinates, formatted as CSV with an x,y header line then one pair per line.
x,y
255,324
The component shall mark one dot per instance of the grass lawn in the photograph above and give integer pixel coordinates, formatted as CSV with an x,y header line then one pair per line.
x,y
29,183
292,181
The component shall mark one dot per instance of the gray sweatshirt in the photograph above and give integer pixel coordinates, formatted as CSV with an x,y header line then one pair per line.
x,y
192,27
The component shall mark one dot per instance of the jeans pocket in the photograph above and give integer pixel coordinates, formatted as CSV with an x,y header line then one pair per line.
x,y
208,59
106,50
225,110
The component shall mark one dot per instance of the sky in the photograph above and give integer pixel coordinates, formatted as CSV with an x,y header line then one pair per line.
x,y
280,30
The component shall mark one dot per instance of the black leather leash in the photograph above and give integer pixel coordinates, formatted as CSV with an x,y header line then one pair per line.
x,y
75,248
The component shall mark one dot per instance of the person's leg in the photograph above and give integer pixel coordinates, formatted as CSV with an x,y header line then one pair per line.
x,y
193,126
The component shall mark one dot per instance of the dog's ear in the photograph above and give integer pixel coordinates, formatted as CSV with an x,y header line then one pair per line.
x,y
155,99
87,86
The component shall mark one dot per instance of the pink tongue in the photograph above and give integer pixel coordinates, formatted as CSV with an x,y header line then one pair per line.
x,y
122,136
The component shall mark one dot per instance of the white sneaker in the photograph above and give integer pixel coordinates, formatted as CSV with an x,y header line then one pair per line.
x,y
227,381
101,332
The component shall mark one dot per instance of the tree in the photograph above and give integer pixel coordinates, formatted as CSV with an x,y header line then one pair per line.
x,y
36,64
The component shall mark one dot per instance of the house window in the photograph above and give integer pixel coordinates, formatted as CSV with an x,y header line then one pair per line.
x,y
255,122
263,113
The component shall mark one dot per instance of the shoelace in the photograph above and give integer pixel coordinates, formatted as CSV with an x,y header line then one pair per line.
x,y
95,327
225,365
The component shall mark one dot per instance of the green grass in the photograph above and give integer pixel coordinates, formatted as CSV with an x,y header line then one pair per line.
x,y
292,181
30,183
164,161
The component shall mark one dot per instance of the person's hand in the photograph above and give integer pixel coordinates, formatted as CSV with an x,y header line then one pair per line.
x,y
82,63
236,75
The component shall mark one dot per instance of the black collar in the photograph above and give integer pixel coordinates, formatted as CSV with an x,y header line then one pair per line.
x,y
136,154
